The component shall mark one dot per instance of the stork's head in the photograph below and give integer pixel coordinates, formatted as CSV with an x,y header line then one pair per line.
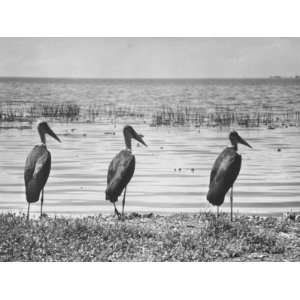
x,y
130,133
43,129
235,138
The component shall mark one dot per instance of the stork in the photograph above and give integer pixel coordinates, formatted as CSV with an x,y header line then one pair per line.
x,y
37,167
225,171
121,169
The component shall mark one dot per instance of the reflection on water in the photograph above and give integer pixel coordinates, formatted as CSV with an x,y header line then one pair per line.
x,y
172,173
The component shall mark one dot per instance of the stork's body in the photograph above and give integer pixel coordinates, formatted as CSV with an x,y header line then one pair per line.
x,y
225,171
37,168
223,175
121,170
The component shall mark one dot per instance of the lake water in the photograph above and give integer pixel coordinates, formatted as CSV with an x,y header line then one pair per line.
x,y
172,173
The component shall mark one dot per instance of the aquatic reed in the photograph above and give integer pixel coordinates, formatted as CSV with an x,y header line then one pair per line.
x,y
223,117
184,115
28,113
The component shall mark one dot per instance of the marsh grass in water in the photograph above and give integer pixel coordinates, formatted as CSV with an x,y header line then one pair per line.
x,y
66,112
223,117
162,116
25,113
179,237
113,112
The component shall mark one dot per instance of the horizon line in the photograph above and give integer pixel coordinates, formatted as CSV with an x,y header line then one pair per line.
x,y
148,78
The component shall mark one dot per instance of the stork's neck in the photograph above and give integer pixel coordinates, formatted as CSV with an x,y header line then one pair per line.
x,y
127,139
234,146
42,136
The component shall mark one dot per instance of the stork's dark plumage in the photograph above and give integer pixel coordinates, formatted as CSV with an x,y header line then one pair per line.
x,y
37,167
121,169
225,171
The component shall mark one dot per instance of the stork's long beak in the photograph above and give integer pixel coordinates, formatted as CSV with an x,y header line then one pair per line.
x,y
51,133
242,141
139,138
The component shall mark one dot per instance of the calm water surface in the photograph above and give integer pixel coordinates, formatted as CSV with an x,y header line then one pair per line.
x,y
172,173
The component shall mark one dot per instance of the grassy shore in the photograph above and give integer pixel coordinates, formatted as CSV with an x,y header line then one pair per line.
x,y
148,237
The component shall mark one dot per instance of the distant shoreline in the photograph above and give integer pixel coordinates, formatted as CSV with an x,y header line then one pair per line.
x,y
3,78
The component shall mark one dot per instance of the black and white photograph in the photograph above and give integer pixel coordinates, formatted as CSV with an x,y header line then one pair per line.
x,y
149,149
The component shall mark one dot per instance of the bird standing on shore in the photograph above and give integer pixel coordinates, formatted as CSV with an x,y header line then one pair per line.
x,y
37,167
121,169
225,171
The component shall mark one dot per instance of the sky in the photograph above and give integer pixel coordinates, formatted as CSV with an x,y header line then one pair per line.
x,y
149,57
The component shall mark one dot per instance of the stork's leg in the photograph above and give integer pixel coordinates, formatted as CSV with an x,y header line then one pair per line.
x,y
116,211
123,202
42,201
28,210
217,211
231,203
